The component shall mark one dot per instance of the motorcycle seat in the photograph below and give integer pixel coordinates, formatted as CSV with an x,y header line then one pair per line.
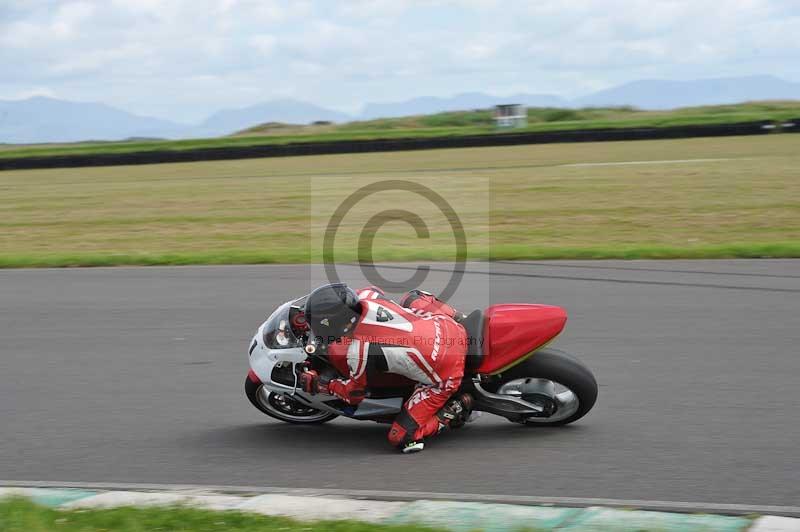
x,y
473,324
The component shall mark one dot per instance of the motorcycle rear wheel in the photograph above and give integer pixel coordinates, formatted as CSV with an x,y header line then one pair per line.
x,y
575,385
282,407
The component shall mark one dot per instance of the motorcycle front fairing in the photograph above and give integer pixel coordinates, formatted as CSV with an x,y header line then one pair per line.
x,y
275,350
275,347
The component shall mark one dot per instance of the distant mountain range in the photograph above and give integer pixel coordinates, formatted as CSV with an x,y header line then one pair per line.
x,y
286,111
661,94
42,119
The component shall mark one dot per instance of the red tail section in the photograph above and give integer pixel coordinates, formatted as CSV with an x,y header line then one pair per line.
x,y
511,331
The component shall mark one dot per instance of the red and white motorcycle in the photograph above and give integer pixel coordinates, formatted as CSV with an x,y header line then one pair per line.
x,y
509,371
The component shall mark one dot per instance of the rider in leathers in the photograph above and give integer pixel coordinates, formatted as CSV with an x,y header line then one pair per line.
x,y
418,338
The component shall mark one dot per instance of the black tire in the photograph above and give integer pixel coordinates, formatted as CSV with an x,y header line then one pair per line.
x,y
316,417
560,367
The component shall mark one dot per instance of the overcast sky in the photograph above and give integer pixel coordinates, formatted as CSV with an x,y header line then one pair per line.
x,y
182,59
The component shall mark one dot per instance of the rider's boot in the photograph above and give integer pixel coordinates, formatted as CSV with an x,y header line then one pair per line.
x,y
452,415
413,447
456,412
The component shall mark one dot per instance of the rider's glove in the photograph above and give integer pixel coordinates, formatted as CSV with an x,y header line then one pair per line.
x,y
312,383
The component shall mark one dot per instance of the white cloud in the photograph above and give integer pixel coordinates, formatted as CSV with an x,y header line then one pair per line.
x,y
20,35
69,16
264,44
186,57
98,59
30,93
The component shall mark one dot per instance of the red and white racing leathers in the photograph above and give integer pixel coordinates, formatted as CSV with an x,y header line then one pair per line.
x,y
417,339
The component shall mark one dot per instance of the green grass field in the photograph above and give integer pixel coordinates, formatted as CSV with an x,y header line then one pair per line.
x,y
442,124
715,197
24,516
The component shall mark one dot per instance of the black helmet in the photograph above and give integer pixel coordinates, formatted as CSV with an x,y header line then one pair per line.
x,y
332,311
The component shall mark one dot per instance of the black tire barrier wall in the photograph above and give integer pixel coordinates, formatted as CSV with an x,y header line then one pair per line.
x,y
401,144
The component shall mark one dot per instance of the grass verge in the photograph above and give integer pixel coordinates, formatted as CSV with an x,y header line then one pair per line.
x,y
21,515
687,198
509,252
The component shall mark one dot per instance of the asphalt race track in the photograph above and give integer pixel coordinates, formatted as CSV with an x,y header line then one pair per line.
x,y
135,375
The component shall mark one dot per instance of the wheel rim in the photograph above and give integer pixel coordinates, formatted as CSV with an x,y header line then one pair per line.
x,y
288,408
566,401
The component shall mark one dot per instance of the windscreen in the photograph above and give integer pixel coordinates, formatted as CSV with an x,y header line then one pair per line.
x,y
278,332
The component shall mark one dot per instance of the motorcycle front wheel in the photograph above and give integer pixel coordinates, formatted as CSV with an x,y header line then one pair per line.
x,y
569,384
282,407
